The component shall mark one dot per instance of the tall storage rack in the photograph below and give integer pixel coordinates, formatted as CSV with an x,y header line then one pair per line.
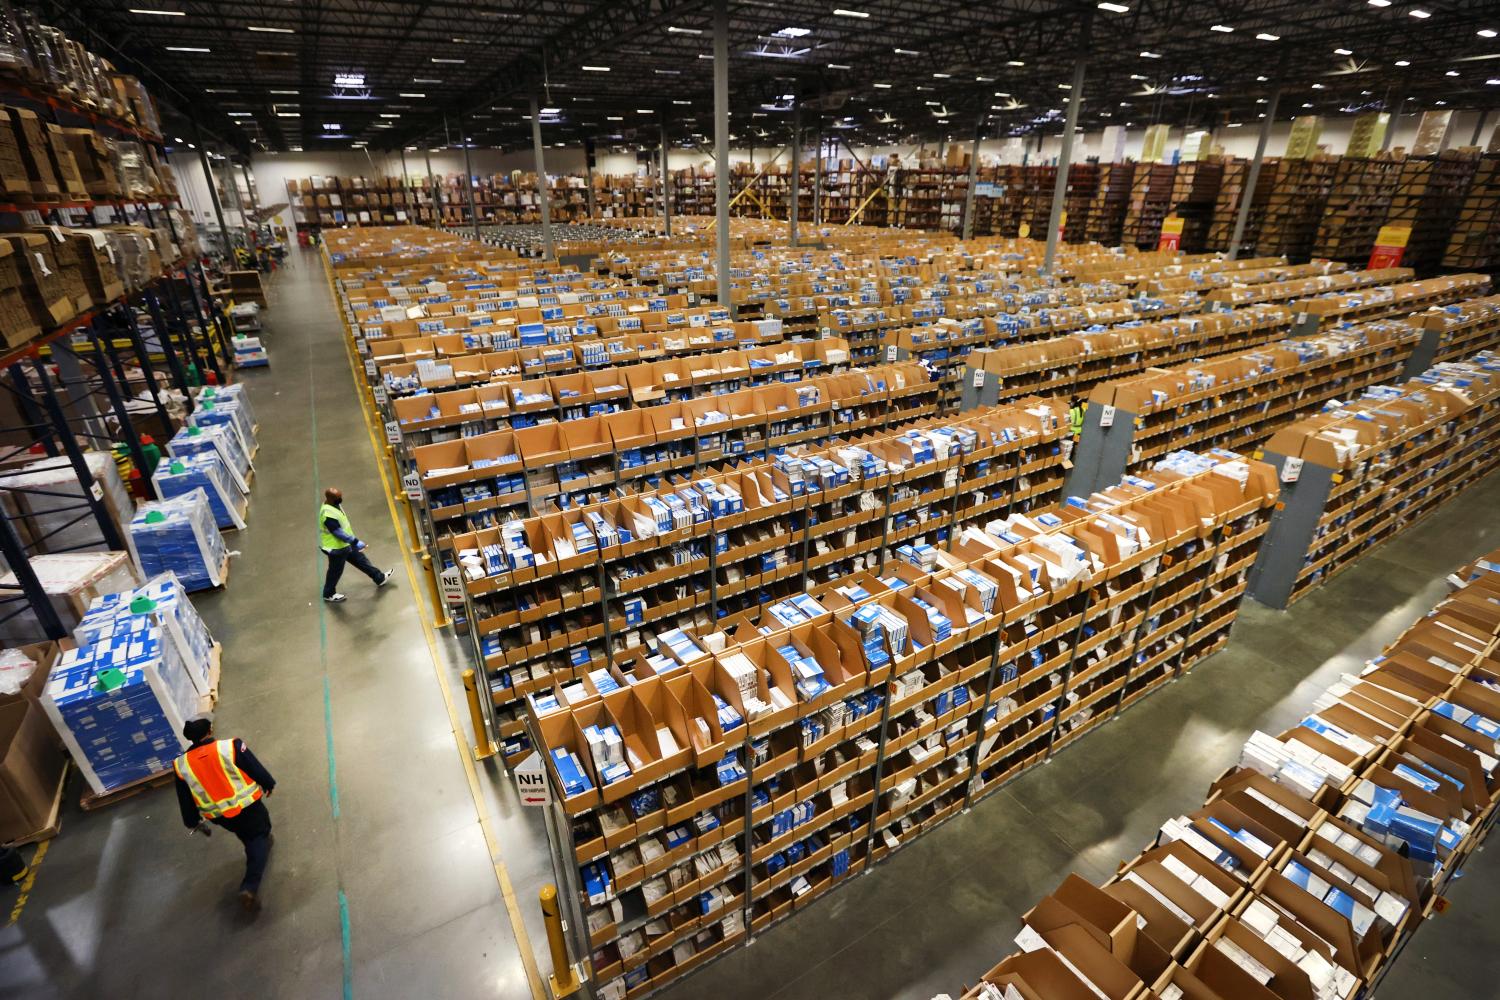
x,y
69,383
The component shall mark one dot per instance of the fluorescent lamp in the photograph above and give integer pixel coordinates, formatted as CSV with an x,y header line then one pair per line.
x,y
594,69
1402,62
1015,62
452,62
645,111
270,31
1233,125
288,114
837,66
906,52
332,127
151,12
1115,8
292,93
1266,36
942,76
842,12
1317,86
882,86
411,95
418,79
1221,28
667,72
1420,13
1150,55
238,114
672,29
1451,72
186,48
1487,32
614,118
984,79
387,114
1380,3
1342,52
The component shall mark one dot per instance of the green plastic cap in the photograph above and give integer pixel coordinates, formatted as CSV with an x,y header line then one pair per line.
x,y
208,404
208,391
194,431
142,605
155,517
177,468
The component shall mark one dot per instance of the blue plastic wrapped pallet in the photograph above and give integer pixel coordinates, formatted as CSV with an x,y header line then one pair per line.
x,y
218,438
179,535
205,471
228,412
140,670
219,394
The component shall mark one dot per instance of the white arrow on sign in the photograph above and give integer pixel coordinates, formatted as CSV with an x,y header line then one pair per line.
x,y
531,781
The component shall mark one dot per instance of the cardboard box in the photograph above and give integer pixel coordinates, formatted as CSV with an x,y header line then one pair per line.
x,y
97,269
95,162
17,324
13,177
35,148
31,767
64,166
69,266
46,289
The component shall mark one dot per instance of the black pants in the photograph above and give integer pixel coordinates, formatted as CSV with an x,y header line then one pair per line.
x,y
252,825
336,560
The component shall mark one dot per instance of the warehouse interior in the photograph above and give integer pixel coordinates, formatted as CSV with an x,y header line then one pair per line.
x,y
1033,509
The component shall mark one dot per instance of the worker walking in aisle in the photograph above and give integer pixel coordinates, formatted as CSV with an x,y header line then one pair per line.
x,y
1076,411
221,782
338,543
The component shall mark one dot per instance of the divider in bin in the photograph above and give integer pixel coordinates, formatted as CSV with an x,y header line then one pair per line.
x,y
596,713
692,688
1318,920
1342,840
1266,802
1039,975
586,438
641,727
1163,873
1222,973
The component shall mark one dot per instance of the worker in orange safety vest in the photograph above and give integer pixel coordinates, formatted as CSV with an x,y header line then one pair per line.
x,y
221,782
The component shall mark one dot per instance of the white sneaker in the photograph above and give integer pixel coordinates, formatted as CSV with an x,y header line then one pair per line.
x,y
335,599
387,578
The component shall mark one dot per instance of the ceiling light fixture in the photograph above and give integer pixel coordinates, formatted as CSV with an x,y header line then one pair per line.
x,y
1487,32
1403,62
387,114
151,12
1015,62
594,69
667,72
1115,8
1150,55
270,31
906,52
238,114
1418,12
411,95
288,114
882,86
418,79
332,127
1266,36
673,29
186,48
844,12
1380,3
1451,72
440,59
1343,52
1223,29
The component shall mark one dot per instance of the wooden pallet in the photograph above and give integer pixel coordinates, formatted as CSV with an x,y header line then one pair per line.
x,y
54,816
91,800
215,657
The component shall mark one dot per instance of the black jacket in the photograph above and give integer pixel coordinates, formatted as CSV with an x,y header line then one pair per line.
x,y
246,762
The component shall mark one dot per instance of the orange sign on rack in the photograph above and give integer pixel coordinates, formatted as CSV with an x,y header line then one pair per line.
x,y
1389,246
1171,233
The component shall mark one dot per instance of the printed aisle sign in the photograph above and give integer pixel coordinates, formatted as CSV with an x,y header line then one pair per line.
x,y
1390,245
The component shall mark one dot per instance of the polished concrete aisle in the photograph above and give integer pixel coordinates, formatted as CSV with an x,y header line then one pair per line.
x,y
381,882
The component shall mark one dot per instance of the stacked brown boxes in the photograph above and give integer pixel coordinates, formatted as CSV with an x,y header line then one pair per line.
x,y
17,325
64,166
46,289
69,267
36,155
14,181
97,265
95,164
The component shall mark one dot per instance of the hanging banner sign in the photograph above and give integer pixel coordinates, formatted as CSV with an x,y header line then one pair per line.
x,y
1171,233
1390,245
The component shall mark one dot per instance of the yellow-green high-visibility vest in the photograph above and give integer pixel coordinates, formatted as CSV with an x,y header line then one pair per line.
x,y
326,538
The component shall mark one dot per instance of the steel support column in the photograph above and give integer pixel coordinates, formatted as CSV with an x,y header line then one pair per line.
x,y
463,139
666,193
721,150
213,196
588,177
542,195
968,220
1064,161
1247,195
796,171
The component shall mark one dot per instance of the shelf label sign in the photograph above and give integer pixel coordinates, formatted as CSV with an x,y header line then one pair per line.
x,y
1291,471
393,431
412,484
1107,416
451,583
1390,246
1171,233
890,352
379,394
369,368
531,781
979,378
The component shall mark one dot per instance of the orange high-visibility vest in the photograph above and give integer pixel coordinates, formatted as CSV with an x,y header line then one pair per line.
x,y
220,789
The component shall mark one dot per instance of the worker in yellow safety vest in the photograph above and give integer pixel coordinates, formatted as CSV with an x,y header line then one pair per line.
x,y
221,782
338,543
1076,410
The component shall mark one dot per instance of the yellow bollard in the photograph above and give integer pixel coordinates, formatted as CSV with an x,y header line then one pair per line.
x,y
483,746
564,982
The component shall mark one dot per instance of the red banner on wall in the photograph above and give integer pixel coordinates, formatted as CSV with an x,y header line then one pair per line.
x,y
1171,233
1390,245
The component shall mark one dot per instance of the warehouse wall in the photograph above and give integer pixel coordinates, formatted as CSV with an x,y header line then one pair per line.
x,y
272,171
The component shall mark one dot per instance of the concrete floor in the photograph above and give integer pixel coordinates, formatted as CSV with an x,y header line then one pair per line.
x,y
392,866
